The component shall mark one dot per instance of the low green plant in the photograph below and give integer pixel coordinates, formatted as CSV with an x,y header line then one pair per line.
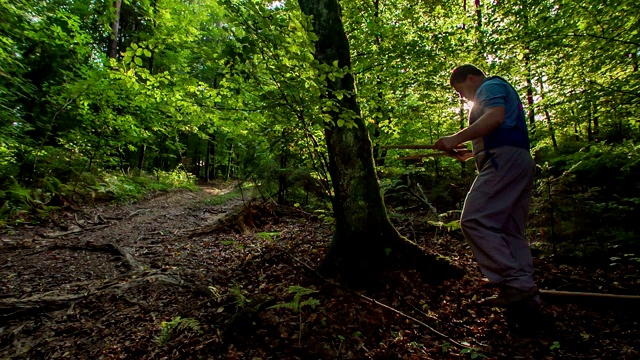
x,y
167,328
473,353
296,304
326,216
269,236
240,299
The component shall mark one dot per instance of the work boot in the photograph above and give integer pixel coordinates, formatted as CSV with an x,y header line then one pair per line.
x,y
509,295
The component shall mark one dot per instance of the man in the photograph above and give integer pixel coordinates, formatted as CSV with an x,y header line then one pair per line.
x,y
493,217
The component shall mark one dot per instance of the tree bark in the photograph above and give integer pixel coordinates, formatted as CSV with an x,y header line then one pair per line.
x,y
364,240
115,28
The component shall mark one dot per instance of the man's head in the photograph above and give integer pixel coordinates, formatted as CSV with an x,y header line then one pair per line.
x,y
466,79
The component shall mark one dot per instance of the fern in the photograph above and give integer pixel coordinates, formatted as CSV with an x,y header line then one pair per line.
x,y
178,323
297,303
241,300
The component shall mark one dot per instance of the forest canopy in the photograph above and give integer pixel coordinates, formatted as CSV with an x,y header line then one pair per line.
x,y
104,99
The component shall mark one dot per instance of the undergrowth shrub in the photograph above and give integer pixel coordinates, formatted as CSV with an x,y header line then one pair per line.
x,y
19,203
586,202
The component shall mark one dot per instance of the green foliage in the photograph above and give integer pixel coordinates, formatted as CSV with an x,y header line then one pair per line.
x,y
240,299
296,304
125,188
584,200
269,236
231,89
168,328
473,353
449,226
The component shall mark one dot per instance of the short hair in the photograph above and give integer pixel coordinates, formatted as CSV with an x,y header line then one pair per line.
x,y
460,73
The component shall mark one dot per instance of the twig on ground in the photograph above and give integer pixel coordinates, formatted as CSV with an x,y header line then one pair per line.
x,y
370,300
73,230
75,217
137,212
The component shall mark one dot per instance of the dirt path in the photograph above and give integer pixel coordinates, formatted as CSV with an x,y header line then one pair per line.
x,y
161,279
93,254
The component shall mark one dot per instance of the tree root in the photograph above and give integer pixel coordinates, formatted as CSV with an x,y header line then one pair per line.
x,y
55,300
245,219
15,308
109,248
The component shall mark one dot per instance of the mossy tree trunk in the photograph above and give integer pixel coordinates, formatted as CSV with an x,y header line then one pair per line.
x,y
364,241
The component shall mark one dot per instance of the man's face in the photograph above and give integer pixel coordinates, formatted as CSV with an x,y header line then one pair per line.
x,y
466,89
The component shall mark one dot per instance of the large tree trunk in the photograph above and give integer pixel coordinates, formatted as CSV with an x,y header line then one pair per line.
x,y
364,240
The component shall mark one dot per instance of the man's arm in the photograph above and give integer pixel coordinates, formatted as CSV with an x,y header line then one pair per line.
x,y
488,122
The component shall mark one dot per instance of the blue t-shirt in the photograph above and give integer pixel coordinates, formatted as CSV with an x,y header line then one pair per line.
x,y
495,91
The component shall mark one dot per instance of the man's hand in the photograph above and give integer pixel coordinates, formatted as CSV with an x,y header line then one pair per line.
x,y
446,144
449,145
461,155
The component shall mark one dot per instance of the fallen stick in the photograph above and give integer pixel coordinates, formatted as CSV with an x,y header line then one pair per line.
x,y
376,302
137,212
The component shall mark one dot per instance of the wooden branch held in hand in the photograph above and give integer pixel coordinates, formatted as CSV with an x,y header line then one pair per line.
x,y
422,156
424,147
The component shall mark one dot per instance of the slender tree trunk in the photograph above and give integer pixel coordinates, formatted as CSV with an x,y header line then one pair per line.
x,y
596,128
196,158
121,158
229,162
589,121
214,165
364,238
378,153
207,161
463,124
282,178
142,150
480,47
552,132
531,114
115,30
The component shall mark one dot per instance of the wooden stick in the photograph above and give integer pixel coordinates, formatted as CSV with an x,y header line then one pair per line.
x,y
422,156
427,147
370,300
586,295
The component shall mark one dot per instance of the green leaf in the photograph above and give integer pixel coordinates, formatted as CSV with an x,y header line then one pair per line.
x,y
138,61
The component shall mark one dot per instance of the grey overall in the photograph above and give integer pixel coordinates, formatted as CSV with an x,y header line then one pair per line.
x,y
494,214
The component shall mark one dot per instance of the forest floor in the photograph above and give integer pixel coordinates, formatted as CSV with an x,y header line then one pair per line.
x,y
178,276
